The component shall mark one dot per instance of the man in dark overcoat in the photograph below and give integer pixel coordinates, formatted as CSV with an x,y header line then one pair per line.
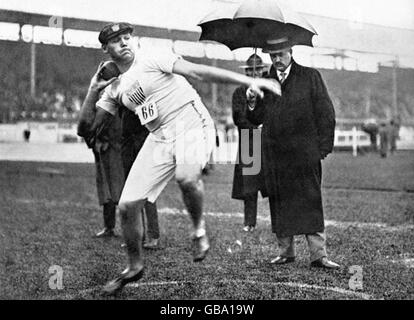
x,y
298,132
384,133
105,143
248,183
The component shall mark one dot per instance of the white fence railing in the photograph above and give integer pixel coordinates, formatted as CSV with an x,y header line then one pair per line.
x,y
52,132
351,139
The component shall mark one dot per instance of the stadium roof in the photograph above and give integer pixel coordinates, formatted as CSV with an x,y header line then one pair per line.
x,y
369,38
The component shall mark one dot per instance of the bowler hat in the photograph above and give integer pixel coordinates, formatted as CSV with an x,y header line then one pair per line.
x,y
277,45
253,60
114,29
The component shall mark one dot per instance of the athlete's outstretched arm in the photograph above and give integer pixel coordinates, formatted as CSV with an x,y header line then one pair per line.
x,y
212,74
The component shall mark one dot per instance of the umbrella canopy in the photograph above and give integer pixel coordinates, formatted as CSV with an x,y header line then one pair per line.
x,y
253,22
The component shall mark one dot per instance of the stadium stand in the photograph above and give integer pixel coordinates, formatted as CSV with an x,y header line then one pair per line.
x,y
66,57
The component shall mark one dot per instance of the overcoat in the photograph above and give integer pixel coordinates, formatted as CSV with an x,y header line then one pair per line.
x,y
298,131
244,184
106,146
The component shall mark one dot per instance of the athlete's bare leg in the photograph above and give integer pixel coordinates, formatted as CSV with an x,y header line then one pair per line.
x,y
192,187
132,229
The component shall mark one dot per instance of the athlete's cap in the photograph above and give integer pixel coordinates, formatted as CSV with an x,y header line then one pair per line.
x,y
252,60
277,45
114,29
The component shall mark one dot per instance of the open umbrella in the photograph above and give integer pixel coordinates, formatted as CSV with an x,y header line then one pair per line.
x,y
252,23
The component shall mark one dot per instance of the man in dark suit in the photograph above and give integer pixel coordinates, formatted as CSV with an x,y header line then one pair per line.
x,y
298,132
105,143
246,185
395,125
384,133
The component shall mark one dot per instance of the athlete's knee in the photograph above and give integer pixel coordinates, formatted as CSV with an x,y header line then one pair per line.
x,y
126,207
190,183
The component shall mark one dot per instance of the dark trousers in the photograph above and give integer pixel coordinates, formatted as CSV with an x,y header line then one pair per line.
x,y
109,216
150,219
384,144
250,210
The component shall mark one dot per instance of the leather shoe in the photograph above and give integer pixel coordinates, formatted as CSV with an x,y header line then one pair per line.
x,y
282,260
105,233
116,285
248,228
201,247
151,244
324,263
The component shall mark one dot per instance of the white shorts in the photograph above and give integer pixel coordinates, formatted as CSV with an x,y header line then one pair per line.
x,y
157,161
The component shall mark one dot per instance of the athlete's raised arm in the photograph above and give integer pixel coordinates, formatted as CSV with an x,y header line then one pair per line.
x,y
89,120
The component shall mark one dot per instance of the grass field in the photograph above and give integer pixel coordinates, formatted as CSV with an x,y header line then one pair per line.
x,y
49,212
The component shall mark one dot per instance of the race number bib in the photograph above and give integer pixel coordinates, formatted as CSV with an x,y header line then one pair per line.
x,y
147,112
135,99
